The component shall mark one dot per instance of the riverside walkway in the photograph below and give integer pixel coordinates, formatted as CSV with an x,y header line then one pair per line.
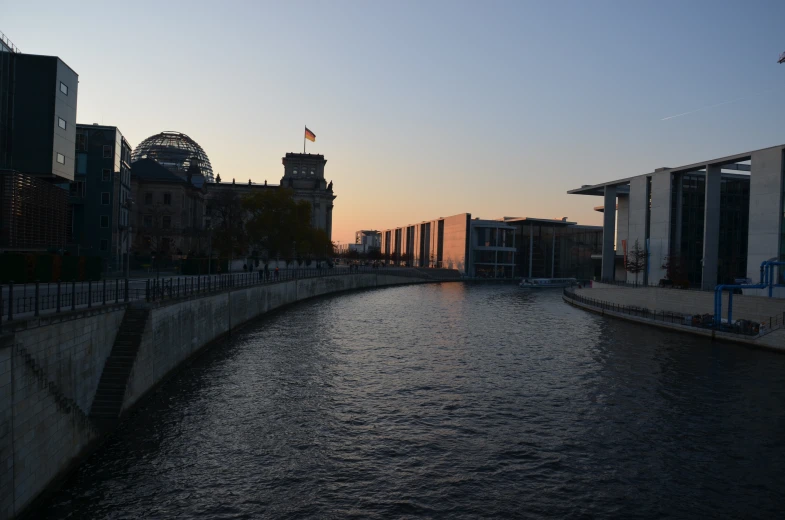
x,y
22,301
646,306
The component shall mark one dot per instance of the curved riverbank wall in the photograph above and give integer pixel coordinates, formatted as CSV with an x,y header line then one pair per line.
x,y
774,340
51,366
174,331
756,308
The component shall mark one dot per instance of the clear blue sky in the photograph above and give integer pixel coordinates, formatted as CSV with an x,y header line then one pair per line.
x,y
429,108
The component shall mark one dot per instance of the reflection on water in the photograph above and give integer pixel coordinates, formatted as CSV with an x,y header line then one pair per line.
x,y
449,401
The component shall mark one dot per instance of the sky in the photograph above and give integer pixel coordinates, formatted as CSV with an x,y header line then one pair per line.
x,y
429,108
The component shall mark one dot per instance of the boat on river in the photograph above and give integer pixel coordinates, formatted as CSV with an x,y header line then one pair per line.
x,y
547,283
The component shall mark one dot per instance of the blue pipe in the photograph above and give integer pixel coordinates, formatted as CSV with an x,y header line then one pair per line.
x,y
730,308
766,281
770,265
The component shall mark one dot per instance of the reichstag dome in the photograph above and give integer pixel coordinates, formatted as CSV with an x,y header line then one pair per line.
x,y
175,151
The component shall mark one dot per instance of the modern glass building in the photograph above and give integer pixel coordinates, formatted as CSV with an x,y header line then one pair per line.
x,y
556,248
508,247
100,195
700,224
37,131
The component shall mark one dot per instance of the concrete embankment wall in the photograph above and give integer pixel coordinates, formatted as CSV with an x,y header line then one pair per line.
x,y
686,302
774,341
50,368
176,330
49,371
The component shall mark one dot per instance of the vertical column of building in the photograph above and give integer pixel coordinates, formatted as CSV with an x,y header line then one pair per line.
x,y
623,228
608,233
766,209
659,225
678,214
711,226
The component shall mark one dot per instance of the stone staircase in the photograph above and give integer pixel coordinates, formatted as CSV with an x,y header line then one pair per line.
x,y
109,395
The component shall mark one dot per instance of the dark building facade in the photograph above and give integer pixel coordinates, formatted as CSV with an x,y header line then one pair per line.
x,y
556,248
100,195
33,213
304,174
39,120
37,134
168,214
688,206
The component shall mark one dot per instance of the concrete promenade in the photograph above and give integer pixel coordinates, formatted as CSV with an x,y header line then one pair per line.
x,y
684,302
51,366
756,308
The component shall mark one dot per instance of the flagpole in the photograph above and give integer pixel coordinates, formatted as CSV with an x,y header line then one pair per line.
x,y
304,139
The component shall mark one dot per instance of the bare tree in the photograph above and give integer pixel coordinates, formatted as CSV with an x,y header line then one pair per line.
x,y
636,260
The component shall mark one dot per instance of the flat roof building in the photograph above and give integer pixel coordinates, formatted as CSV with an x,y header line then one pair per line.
x,y
37,133
703,223
100,195
508,247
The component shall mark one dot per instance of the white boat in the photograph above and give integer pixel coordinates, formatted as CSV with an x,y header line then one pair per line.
x,y
547,283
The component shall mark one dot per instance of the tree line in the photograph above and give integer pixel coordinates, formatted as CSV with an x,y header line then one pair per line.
x,y
266,225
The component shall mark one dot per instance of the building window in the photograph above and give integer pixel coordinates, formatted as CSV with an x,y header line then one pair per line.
x,y
168,199
104,221
106,174
148,198
61,122
77,189
81,142
166,222
104,245
61,158
294,172
312,171
148,221
63,88
107,151
105,198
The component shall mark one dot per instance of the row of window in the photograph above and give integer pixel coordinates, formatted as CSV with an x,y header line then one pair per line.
x,y
81,141
304,171
61,123
166,221
148,198
78,187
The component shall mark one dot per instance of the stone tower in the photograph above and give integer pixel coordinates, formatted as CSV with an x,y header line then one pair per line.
x,y
304,173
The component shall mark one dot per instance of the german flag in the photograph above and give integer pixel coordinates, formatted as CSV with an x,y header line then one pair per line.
x,y
310,135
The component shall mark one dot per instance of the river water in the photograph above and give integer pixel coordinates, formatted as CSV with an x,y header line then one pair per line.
x,y
449,401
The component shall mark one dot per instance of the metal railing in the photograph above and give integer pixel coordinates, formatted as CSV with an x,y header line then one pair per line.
x,y
8,43
640,285
181,287
703,321
32,299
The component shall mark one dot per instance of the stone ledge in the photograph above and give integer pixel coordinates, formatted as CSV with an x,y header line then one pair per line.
x,y
12,327
695,331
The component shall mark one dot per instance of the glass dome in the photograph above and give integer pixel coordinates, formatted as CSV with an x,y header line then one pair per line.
x,y
175,151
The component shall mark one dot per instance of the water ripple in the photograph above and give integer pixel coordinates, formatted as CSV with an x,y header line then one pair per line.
x,y
449,401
